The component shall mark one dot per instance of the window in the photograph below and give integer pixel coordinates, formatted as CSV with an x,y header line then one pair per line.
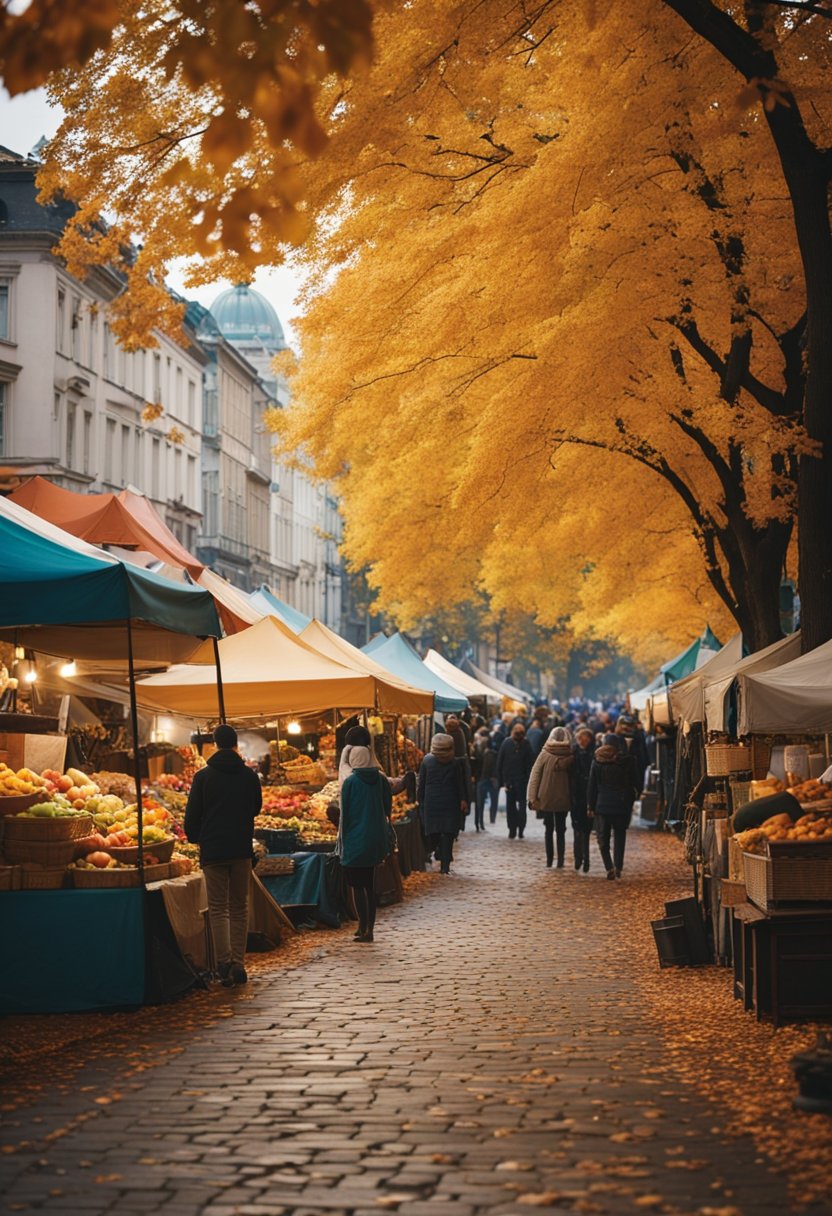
x,y
109,449
4,403
106,354
75,328
125,453
5,300
60,331
191,496
191,403
92,327
180,403
155,458
70,437
157,378
87,441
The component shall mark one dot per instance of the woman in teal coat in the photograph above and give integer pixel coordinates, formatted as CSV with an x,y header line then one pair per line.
x,y
364,833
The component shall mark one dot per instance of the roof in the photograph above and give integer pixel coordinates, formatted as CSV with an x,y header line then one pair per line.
x,y
244,315
125,519
458,679
761,660
693,656
398,656
793,699
687,696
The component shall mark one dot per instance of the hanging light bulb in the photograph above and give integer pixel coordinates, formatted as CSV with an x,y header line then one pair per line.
x,y
69,669
31,675
19,653
293,728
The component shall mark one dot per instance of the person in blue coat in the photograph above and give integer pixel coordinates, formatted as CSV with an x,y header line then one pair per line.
x,y
611,791
440,792
514,766
364,834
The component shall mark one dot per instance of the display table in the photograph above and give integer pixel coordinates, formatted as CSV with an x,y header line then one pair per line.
x,y
315,885
783,963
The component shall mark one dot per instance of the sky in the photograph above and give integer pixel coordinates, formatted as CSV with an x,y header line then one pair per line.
x,y
24,119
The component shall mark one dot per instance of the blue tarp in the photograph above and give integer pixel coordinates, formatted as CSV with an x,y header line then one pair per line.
x,y
398,656
267,602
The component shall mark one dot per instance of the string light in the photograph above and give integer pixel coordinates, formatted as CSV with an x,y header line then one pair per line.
x,y
69,669
293,728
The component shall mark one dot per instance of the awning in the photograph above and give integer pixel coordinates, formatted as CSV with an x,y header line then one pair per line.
x,y
267,603
762,660
687,696
640,699
457,678
693,656
235,607
397,655
793,699
62,596
126,519
500,686
392,695
266,671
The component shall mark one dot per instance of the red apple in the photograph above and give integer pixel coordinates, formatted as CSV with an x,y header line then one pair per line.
x,y
63,783
101,860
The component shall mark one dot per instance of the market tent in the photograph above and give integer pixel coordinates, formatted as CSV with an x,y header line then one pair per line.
x,y
235,608
266,671
692,657
78,595
502,687
687,696
457,678
640,699
126,519
268,604
392,695
762,660
795,698
397,655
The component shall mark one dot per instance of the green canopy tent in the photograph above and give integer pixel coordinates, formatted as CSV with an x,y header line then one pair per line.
x,y
397,655
692,657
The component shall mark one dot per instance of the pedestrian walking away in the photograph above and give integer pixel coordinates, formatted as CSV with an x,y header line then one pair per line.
x,y
224,799
485,759
514,766
551,790
440,792
611,792
364,834
581,825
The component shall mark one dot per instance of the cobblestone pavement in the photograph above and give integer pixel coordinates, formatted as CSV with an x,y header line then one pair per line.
x,y
492,1052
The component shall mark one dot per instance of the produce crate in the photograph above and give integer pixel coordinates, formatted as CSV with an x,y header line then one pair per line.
x,y
317,846
41,878
70,827
271,866
732,892
724,758
129,853
9,878
278,840
740,794
42,852
13,804
96,879
793,873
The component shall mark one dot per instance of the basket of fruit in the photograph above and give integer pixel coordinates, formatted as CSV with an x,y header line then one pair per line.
x,y
41,878
47,820
156,871
13,804
43,852
9,878
162,849
102,870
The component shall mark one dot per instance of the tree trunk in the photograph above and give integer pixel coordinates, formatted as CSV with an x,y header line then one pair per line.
x,y
754,560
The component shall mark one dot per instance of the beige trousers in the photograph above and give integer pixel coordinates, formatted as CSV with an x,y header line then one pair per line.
x,y
227,884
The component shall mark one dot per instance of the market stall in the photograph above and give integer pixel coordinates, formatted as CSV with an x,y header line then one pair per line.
x,y
398,656
465,684
509,692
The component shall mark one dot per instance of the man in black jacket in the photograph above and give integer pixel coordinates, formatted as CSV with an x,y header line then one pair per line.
x,y
514,766
224,799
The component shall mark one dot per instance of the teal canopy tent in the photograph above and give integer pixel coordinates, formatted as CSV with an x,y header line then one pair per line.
x,y
691,657
267,602
398,656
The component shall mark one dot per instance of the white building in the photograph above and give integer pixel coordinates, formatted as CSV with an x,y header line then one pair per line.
x,y
70,398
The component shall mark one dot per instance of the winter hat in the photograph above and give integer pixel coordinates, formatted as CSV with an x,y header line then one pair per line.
x,y
583,729
611,740
560,734
359,757
357,736
442,746
225,736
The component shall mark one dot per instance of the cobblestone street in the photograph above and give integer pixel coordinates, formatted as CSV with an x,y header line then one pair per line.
x,y
494,1051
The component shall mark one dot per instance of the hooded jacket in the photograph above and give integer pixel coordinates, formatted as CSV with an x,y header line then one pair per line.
x,y
225,796
584,757
440,793
552,778
366,804
514,763
613,786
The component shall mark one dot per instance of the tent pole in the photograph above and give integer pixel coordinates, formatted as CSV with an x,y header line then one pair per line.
x,y
134,722
220,693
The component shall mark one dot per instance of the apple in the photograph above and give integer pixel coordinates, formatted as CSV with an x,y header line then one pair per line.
x,y
64,784
99,860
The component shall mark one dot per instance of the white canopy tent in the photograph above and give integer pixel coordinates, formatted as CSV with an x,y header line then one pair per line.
x,y
795,698
687,696
716,690
640,699
458,679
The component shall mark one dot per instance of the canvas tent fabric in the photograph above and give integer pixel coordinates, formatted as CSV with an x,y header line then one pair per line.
x,y
62,596
767,659
693,656
268,603
266,671
397,655
392,695
500,686
640,699
126,519
235,608
795,698
457,678
687,696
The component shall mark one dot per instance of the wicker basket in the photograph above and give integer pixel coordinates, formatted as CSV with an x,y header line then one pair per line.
x,y
41,878
70,827
157,873
740,794
761,748
110,879
41,852
732,892
721,759
13,804
793,874
129,853
9,878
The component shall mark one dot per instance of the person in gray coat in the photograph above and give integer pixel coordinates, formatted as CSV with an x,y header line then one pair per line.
x,y
440,792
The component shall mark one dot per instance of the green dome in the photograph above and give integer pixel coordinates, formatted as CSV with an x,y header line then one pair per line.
x,y
243,316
